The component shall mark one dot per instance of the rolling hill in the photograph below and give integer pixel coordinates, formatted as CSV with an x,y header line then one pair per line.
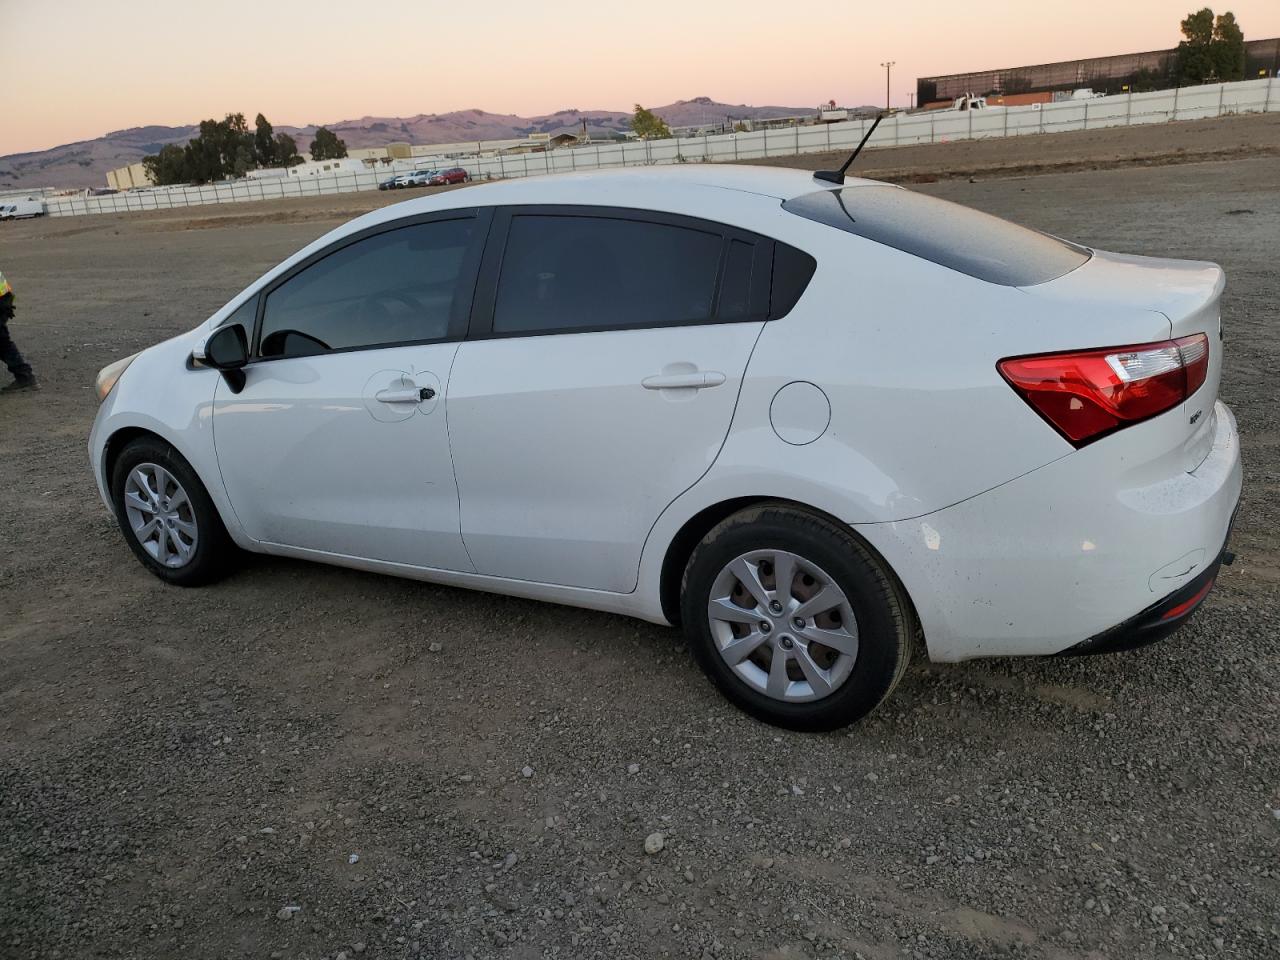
x,y
85,163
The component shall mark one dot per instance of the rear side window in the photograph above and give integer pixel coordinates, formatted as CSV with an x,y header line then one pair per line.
x,y
566,273
792,271
947,234
393,287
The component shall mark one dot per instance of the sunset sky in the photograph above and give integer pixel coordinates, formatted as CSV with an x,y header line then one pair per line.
x,y
74,69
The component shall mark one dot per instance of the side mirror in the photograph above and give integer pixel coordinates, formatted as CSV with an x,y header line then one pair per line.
x,y
226,350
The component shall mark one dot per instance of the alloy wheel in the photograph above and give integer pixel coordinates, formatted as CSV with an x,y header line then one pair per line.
x,y
160,515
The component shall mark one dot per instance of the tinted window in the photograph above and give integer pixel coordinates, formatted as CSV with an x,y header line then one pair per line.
x,y
735,286
956,237
792,271
393,287
567,272
245,315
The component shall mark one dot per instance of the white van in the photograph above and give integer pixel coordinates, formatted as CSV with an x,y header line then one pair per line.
x,y
21,209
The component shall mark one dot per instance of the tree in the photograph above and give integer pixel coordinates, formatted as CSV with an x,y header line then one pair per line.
x,y
286,151
1213,48
214,153
326,145
233,135
1228,53
648,125
228,148
169,166
264,142
221,149
204,153
244,160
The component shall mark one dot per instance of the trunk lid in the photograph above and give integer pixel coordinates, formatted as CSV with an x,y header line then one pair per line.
x,y
1187,294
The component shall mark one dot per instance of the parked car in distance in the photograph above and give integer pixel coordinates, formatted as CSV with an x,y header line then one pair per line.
x,y
389,183
810,423
452,175
416,178
22,209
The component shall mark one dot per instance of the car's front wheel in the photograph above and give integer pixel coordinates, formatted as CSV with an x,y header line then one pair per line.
x,y
795,619
167,516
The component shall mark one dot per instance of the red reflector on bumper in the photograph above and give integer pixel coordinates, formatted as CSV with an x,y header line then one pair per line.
x,y
1186,606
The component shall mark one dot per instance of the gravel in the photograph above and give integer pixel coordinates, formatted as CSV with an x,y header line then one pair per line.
x,y
179,770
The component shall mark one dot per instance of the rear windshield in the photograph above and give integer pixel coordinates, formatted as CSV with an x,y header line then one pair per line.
x,y
948,234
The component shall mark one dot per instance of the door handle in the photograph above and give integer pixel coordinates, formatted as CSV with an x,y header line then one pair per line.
x,y
404,395
686,381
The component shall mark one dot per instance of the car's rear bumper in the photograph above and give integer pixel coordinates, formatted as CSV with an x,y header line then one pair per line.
x,y
1059,557
1158,620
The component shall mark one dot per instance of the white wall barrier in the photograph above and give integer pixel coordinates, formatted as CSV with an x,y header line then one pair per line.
x,y
1185,103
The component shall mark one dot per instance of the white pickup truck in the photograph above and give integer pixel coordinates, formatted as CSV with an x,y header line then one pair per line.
x,y
971,102
21,209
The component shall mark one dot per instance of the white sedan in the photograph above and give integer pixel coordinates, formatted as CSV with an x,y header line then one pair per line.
x,y
812,423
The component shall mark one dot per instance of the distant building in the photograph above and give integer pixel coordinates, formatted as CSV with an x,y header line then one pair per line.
x,y
326,168
129,178
583,134
374,156
268,173
730,124
1102,74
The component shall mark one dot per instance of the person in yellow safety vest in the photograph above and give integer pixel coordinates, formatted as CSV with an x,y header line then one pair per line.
x,y
23,378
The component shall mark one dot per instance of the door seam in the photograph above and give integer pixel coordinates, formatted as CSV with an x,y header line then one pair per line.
x,y
453,468
217,458
742,382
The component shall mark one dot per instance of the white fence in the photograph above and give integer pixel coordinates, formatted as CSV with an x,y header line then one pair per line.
x,y
1186,103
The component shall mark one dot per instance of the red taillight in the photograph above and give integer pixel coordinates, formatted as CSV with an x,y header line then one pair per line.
x,y
1086,394
1186,606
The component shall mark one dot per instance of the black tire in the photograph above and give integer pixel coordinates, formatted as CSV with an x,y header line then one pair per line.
x,y
214,551
885,622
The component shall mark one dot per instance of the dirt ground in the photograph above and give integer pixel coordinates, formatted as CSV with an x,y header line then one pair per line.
x,y
179,770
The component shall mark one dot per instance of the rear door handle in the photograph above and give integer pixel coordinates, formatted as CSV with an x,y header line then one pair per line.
x,y
404,395
688,381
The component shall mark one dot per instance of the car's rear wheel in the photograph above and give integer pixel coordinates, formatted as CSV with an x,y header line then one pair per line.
x,y
167,516
795,619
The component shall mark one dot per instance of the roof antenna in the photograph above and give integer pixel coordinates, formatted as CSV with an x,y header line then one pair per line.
x,y
837,176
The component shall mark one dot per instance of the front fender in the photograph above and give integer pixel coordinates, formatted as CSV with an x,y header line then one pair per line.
x,y
162,394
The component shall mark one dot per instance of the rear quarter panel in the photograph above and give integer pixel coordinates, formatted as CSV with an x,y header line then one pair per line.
x,y
906,352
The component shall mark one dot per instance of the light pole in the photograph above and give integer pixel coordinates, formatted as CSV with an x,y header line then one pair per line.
x,y
887,68
911,99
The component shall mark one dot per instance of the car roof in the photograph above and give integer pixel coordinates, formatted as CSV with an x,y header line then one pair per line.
x,y
781,183
710,190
